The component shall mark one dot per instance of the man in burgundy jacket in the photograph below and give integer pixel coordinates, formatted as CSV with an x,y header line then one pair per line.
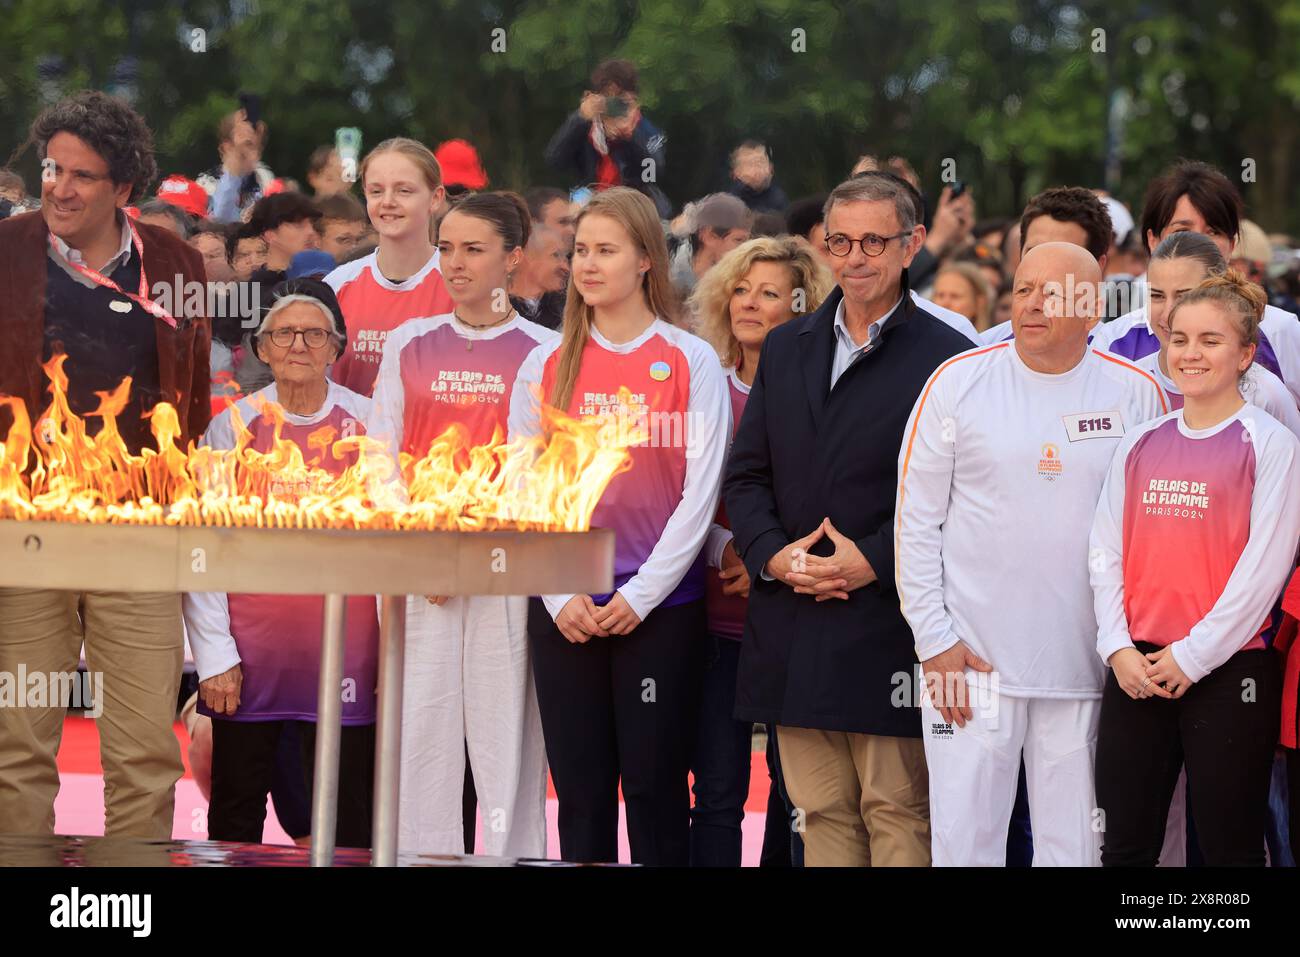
x,y
79,277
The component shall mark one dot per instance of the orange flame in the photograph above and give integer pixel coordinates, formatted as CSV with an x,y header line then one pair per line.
x,y
59,472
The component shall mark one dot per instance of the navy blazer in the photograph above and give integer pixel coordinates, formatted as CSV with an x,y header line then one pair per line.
x,y
803,452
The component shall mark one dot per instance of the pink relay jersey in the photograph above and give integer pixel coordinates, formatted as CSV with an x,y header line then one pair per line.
x,y
439,374
1187,507
279,636
373,307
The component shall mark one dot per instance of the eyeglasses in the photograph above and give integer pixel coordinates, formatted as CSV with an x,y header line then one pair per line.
x,y
872,245
314,338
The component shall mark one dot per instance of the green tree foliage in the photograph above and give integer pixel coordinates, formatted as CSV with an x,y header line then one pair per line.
x,y
1011,95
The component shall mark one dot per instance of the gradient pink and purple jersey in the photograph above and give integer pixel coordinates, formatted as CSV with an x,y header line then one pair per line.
x,y
278,637
438,374
1187,508
373,306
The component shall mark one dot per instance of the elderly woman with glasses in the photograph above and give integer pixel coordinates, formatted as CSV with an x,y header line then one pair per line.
x,y
258,656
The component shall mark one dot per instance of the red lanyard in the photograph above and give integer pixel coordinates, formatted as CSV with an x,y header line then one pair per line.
x,y
142,298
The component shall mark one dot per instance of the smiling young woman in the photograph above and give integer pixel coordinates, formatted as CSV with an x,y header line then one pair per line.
x,y
402,185
1203,497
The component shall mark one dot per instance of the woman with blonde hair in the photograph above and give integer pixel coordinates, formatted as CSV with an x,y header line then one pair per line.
x,y
402,186
963,288
618,675
1195,537
752,290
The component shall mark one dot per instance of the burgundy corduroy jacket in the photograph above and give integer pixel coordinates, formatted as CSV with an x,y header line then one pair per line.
x,y
182,352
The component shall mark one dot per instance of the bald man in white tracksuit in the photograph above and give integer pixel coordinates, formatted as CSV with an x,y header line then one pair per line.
x,y
1001,467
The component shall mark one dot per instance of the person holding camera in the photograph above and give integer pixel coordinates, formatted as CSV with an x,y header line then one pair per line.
x,y
608,142
242,178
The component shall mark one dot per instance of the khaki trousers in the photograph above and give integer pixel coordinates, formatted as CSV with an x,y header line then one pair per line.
x,y
133,640
863,799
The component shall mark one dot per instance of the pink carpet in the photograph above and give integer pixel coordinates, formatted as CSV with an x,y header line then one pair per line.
x,y
79,808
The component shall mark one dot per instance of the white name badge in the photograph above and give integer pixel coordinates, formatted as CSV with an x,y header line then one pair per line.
x,y
1094,425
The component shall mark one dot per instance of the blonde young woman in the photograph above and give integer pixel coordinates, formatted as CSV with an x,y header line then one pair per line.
x,y
402,185
748,293
1194,538
618,675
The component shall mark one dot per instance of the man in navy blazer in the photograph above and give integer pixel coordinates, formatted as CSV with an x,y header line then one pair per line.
x,y
827,657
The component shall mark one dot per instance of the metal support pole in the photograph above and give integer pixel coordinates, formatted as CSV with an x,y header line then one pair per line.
x,y
329,730
388,734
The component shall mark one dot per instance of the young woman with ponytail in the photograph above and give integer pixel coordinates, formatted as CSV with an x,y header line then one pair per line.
x,y
468,680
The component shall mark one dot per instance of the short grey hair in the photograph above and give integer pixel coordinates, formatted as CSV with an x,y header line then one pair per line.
x,y
540,235
299,297
875,187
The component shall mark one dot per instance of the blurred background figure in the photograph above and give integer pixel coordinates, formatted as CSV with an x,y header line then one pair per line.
x,y
12,187
286,222
539,284
552,208
342,225
325,173
246,250
715,225
186,195
210,240
963,288
608,140
159,212
752,178
241,178
804,218
462,172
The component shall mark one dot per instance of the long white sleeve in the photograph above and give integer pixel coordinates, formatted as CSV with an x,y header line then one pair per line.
x,y
1263,568
207,622
525,422
707,432
1106,559
1283,331
1271,394
207,614
388,405
925,469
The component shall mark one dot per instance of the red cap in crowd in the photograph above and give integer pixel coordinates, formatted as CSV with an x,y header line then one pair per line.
x,y
460,165
185,193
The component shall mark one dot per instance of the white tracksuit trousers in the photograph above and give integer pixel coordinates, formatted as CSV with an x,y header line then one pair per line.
x,y
468,678
974,772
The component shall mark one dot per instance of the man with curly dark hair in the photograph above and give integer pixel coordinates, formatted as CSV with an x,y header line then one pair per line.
x,y
79,277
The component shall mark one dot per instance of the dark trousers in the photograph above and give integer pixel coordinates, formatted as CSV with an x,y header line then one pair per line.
x,y
1224,729
722,761
782,845
627,707
1020,837
1293,799
243,769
